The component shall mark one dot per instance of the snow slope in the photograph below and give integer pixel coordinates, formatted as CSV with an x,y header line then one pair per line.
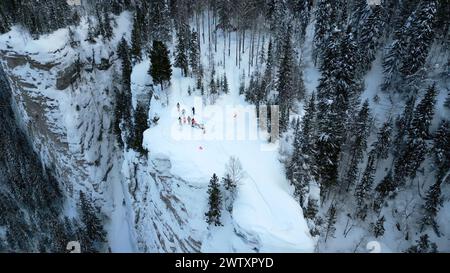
x,y
265,215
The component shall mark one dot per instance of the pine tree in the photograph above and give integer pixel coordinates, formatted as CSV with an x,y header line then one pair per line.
x,y
301,13
269,64
160,68
370,36
358,142
225,86
159,21
4,21
382,145
441,149
215,202
433,202
337,94
423,246
194,52
107,28
416,148
420,37
285,81
409,50
118,114
331,218
297,171
181,59
140,125
402,125
123,96
94,233
136,43
325,20
224,14
423,115
378,227
230,188
312,209
364,188
308,131
386,186
91,32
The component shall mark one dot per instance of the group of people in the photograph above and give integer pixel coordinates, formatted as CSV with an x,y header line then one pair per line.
x,y
182,119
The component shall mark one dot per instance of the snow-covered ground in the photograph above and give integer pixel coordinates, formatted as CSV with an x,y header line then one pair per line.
x,y
265,208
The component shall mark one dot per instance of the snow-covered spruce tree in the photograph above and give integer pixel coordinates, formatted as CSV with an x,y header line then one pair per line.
x,y
285,81
38,17
383,143
378,228
338,94
330,222
370,36
277,17
181,58
386,187
360,129
312,208
230,192
433,202
409,50
224,12
214,202
329,124
301,13
92,231
123,104
297,171
441,149
5,23
360,11
402,125
349,82
107,28
412,156
325,23
268,73
423,245
194,53
160,66
391,63
308,131
423,115
420,37
225,86
159,22
136,42
140,125
91,34
364,188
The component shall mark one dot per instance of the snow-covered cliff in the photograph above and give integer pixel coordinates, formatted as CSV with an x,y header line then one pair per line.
x,y
63,93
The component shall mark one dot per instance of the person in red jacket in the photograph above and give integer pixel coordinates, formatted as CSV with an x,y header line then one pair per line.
x,y
193,122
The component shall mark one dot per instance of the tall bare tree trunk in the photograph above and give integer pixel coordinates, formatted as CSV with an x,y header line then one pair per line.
x,y
203,26
224,48
229,43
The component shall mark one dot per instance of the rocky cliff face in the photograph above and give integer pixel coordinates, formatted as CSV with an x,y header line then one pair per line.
x,y
31,206
63,100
